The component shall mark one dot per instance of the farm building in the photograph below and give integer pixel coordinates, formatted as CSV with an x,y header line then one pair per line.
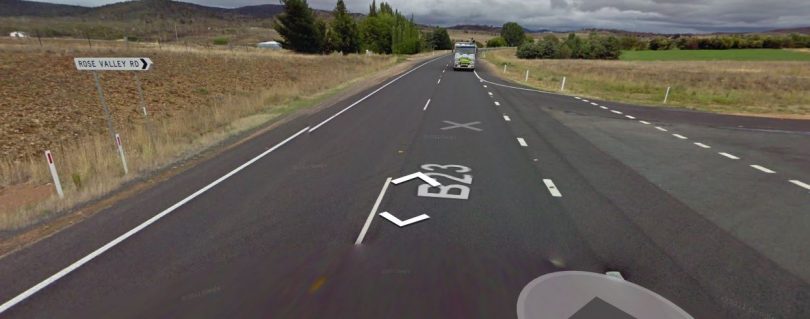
x,y
18,34
269,45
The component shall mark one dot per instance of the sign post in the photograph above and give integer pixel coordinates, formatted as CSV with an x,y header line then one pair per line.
x,y
114,64
52,167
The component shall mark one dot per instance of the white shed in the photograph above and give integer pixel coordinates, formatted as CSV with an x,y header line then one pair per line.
x,y
18,34
269,45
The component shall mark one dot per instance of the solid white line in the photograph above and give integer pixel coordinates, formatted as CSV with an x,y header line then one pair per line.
x,y
552,188
645,122
594,104
373,212
515,87
75,265
522,142
800,184
763,169
426,105
369,95
702,145
604,107
630,117
497,103
506,118
617,112
729,155
660,129
680,136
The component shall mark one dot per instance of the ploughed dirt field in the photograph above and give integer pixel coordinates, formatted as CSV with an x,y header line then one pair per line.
x,y
44,100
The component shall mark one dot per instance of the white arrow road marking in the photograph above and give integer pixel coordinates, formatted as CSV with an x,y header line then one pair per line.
x,y
729,155
418,175
800,184
404,223
763,169
702,145
371,215
552,188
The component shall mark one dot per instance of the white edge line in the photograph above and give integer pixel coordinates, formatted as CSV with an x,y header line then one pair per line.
x,y
800,184
369,95
372,213
763,169
75,265
515,87
552,188
426,105
728,155
522,142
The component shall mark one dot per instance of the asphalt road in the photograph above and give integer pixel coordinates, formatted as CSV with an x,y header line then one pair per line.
x,y
276,237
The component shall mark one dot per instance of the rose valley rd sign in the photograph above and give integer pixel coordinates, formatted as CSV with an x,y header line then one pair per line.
x,y
112,64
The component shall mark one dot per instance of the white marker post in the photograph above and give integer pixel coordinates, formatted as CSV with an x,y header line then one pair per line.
x,y
55,176
121,152
504,68
527,76
562,86
666,95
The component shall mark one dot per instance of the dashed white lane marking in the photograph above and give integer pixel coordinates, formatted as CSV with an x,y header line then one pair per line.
x,y
594,104
660,129
800,184
426,105
440,81
728,155
490,93
506,118
762,169
630,117
702,145
577,97
645,122
586,101
617,112
443,71
680,136
497,103
373,212
552,188
369,95
603,107
522,142
485,86
75,265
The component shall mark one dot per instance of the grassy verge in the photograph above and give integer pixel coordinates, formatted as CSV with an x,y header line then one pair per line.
x,y
716,55
184,126
779,88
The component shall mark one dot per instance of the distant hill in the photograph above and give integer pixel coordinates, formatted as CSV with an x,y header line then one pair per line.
x,y
803,30
16,8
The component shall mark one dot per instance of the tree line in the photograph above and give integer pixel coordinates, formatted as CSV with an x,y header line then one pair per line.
x,y
384,30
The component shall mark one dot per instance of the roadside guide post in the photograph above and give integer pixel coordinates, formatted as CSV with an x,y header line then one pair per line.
x,y
666,95
52,167
113,64
527,76
146,123
562,86
504,68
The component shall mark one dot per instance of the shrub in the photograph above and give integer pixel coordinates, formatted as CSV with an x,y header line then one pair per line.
x,y
221,41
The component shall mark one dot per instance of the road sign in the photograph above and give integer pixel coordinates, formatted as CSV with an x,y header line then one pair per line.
x,y
112,64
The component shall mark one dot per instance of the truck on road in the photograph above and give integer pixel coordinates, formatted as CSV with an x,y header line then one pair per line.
x,y
464,56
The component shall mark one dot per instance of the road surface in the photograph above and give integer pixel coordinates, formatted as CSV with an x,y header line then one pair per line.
x,y
710,212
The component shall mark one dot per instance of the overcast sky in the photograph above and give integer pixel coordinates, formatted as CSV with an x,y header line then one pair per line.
x,y
668,16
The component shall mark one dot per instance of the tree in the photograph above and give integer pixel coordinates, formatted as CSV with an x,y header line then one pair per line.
x,y
496,42
372,9
513,33
344,36
298,28
441,40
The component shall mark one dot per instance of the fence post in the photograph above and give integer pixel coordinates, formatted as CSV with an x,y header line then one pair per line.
x,y
52,167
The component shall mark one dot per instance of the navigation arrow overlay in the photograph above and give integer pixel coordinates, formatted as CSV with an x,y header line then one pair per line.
x,y
404,223
419,175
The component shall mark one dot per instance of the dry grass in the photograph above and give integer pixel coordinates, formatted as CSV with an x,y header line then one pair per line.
x,y
779,87
197,98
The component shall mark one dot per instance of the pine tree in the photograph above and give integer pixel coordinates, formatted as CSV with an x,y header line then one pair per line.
x,y
298,27
344,36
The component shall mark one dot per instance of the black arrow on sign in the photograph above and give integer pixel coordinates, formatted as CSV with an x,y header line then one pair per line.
x,y
145,65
